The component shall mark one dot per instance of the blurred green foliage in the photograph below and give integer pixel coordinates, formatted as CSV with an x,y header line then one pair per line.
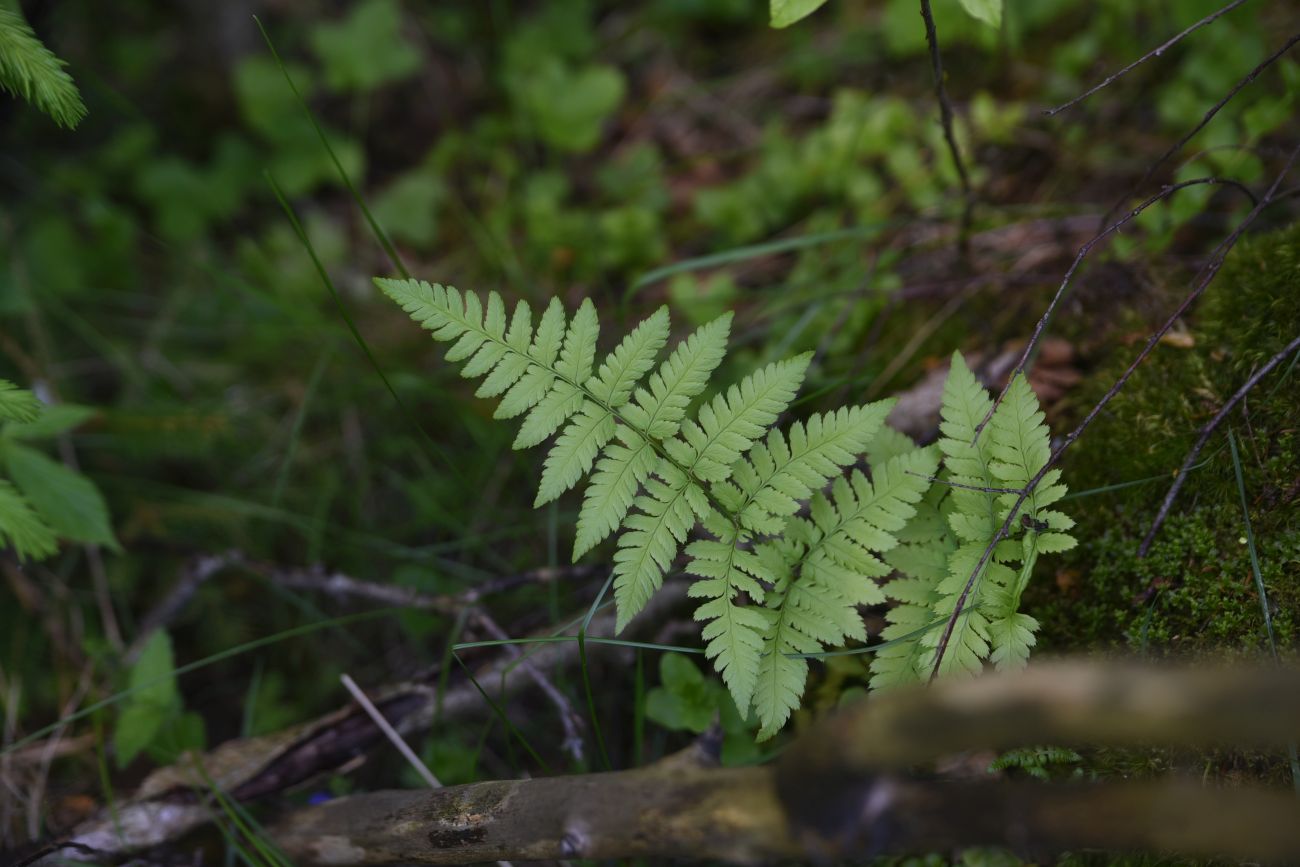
x,y
559,148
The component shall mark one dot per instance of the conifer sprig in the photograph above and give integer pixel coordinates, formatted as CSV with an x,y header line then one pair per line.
x,y
30,70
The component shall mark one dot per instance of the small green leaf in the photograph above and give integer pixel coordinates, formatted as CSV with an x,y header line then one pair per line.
x,y
367,49
988,11
787,12
178,734
568,106
686,700
67,501
153,699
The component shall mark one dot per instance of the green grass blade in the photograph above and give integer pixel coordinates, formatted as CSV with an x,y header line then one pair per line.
x,y
501,715
1259,587
753,251
380,235
352,326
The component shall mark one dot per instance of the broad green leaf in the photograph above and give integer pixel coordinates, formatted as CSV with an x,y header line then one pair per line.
x,y
66,500
153,699
685,700
787,12
988,11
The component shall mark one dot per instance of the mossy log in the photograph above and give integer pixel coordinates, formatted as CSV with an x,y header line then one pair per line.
x,y
842,791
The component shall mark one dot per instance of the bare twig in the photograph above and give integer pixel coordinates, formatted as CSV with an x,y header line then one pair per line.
x,y
1155,52
1041,327
569,718
1210,427
194,576
1202,280
339,585
389,732
1209,115
945,115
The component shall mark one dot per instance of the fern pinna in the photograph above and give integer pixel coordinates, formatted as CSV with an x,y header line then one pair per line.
x,y
774,585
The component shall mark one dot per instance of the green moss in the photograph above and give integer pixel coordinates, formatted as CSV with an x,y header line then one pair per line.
x,y
1194,594
1195,590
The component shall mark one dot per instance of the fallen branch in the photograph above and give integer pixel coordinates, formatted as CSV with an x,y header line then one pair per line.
x,y
839,792
171,801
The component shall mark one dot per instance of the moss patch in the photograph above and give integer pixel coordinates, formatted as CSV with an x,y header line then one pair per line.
x,y
1195,593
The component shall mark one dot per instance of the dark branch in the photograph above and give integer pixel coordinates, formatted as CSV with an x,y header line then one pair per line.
x,y
1214,110
1204,438
1041,327
1155,52
1202,280
945,115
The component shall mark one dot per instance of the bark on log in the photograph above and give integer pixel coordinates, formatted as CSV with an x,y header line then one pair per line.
x,y
738,815
844,789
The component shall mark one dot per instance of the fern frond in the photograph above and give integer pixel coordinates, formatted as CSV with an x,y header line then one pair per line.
x,y
922,564
733,633
705,449
654,535
1021,447
576,450
620,472
659,410
655,475
30,70
17,404
727,426
657,413
21,528
819,607
767,485
955,526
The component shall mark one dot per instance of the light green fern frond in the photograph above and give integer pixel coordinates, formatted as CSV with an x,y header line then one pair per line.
x,y
704,450
972,516
17,404
980,484
733,633
1021,448
768,485
30,70
817,605
656,412
921,564
772,584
